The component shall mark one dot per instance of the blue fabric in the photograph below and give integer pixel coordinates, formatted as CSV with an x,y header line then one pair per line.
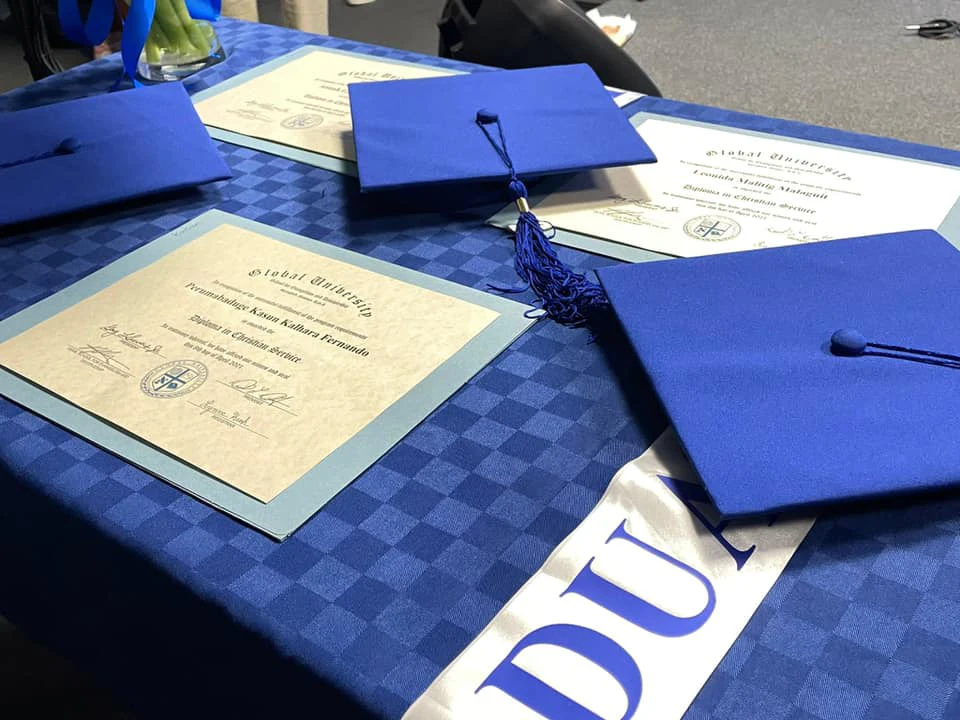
x,y
94,29
86,153
555,119
136,28
204,9
357,612
738,347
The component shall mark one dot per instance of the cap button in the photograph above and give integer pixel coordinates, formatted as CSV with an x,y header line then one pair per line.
x,y
487,116
848,343
67,146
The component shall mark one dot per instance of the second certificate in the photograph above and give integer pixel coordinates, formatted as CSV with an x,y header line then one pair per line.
x,y
302,102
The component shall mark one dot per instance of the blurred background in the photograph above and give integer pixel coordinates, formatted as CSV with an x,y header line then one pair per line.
x,y
847,64
406,24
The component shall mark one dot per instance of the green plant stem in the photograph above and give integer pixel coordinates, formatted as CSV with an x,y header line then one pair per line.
x,y
153,51
172,28
161,37
174,31
197,38
156,42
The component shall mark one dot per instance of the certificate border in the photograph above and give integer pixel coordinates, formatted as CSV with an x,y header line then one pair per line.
x,y
297,503
308,157
949,228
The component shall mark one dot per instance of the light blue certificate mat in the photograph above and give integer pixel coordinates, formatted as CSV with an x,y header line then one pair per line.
x,y
293,506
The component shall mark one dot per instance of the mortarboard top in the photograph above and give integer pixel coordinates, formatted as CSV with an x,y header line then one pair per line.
x,y
507,124
85,153
554,119
774,407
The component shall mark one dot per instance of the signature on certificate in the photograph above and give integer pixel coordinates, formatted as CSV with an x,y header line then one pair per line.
x,y
132,340
255,392
798,236
224,416
100,357
635,211
643,204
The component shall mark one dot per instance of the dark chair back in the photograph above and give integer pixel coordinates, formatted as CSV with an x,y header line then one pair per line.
x,y
533,33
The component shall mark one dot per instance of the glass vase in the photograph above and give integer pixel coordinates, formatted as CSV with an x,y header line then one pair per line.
x,y
178,45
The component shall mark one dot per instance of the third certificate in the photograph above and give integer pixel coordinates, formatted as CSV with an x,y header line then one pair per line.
x,y
717,190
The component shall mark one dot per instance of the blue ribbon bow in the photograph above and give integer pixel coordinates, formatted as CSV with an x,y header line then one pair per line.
x,y
136,26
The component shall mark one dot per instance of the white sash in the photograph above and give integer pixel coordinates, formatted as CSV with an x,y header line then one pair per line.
x,y
630,614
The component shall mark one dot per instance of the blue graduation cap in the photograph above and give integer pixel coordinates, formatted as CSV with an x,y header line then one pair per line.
x,y
85,153
805,374
511,125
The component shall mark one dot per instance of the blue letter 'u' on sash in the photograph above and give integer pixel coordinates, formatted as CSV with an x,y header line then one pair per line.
x,y
529,690
634,609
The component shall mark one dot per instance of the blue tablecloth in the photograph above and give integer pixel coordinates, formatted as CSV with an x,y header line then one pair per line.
x,y
185,612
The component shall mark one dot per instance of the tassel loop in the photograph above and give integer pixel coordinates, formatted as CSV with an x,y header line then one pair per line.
x,y
517,187
519,191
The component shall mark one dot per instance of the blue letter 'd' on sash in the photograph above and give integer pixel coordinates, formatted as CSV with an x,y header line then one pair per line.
x,y
634,609
540,697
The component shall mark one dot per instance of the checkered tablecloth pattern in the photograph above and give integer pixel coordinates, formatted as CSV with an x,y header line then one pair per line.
x,y
364,606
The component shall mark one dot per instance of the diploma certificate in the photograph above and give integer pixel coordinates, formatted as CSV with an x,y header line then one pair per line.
x,y
301,100
716,191
254,360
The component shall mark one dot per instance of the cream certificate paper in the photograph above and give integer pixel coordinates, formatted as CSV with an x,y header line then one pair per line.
x,y
716,191
304,103
244,356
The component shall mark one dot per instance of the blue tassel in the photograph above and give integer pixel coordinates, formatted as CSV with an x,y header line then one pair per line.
x,y
567,297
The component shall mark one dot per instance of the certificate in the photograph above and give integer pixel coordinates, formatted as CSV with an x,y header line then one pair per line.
x,y
715,191
300,100
256,359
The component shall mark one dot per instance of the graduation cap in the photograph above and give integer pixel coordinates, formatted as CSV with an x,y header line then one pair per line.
x,y
805,374
510,125
85,153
